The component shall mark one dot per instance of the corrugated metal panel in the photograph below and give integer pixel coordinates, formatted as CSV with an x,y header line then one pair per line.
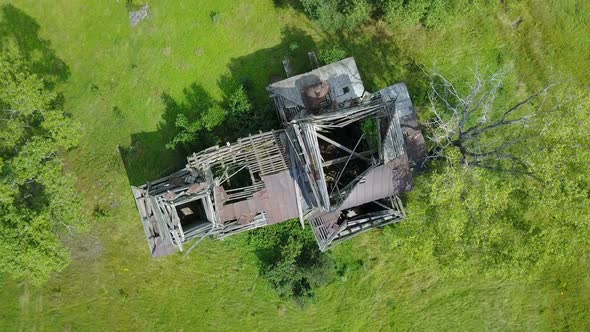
x,y
393,144
380,182
345,116
281,190
376,184
323,228
399,93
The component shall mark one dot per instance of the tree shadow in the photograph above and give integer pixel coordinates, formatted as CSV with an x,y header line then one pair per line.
x,y
19,30
289,4
380,60
257,70
147,157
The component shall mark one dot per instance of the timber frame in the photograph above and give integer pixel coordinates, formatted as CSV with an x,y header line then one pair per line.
x,y
340,162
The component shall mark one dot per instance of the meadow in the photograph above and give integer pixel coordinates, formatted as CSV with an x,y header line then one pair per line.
x,y
126,84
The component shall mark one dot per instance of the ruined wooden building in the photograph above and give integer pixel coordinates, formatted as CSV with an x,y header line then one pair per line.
x,y
339,163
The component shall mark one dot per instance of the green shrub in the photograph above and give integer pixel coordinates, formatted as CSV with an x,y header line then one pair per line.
x,y
238,102
132,6
358,13
371,132
335,15
200,119
290,259
293,46
332,54
187,131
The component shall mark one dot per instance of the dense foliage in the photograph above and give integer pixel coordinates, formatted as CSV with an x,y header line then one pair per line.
x,y
204,115
36,198
290,259
335,15
331,54
466,219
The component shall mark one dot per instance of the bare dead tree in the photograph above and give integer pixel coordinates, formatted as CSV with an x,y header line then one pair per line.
x,y
475,123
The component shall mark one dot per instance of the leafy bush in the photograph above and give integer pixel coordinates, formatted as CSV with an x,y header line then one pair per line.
x,y
332,54
293,46
358,13
132,6
203,116
430,13
187,131
215,17
291,260
238,103
335,15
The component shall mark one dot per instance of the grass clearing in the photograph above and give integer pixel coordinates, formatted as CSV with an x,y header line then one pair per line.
x,y
114,82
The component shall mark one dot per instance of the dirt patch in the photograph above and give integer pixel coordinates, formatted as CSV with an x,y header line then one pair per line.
x,y
183,65
282,311
245,9
167,51
84,247
25,298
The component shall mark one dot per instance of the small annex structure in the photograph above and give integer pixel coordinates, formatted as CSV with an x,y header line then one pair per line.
x,y
340,161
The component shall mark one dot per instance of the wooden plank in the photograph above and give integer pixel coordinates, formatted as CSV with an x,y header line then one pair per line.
x,y
198,241
343,159
346,164
342,147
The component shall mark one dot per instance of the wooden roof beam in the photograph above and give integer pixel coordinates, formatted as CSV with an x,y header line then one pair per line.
x,y
342,147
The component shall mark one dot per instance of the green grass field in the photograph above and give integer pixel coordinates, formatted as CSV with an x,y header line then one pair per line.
x,y
116,79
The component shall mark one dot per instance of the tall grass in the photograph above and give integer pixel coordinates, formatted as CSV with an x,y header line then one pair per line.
x,y
113,284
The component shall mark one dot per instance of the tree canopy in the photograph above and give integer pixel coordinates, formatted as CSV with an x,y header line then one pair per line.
x,y
205,115
467,217
37,200
336,15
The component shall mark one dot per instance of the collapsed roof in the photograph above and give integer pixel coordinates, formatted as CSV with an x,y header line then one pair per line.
x,y
340,79
340,162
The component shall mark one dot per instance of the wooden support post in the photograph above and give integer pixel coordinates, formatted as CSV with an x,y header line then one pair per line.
x,y
343,159
352,152
382,205
342,147
198,241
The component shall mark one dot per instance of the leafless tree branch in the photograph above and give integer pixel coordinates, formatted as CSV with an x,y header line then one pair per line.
x,y
461,121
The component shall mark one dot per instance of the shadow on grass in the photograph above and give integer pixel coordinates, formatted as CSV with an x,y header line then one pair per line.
x,y
296,4
381,62
148,159
21,31
259,69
